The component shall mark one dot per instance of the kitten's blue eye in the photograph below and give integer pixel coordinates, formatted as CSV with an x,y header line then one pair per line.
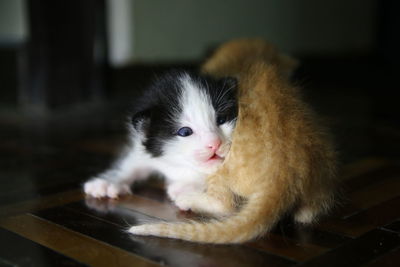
x,y
221,120
185,131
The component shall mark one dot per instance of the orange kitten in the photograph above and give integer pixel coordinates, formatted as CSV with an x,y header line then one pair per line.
x,y
280,160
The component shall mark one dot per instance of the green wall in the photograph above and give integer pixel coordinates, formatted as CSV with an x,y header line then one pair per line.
x,y
184,29
12,21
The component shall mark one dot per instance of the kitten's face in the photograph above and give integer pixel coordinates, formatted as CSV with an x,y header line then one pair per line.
x,y
204,126
193,128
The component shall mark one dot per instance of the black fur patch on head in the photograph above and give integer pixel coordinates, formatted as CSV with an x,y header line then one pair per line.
x,y
223,95
157,111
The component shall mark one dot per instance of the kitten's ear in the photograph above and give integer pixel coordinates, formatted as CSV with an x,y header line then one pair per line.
x,y
140,120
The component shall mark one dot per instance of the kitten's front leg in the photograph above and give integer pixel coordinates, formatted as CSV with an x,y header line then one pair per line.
x,y
117,181
218,202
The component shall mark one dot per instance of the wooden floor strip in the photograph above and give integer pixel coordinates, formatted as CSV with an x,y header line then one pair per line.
x,y
390,259
166,211
366,220
394,226
278,245
358,251
303,234
20,251
71,244
362,167
370,196
41,203
163,251
116,214
374,176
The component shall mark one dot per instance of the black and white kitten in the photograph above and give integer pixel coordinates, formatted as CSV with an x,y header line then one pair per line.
x,y
181,128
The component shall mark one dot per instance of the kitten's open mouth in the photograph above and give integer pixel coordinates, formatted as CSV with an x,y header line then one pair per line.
x,y
215,157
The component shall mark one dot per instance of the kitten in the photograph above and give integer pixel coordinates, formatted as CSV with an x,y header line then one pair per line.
x,y
180,128
280,160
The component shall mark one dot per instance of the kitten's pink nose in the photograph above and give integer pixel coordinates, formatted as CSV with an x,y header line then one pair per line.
x,y
214,145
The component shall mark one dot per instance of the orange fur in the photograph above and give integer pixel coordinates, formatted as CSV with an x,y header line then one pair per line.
x,y
280,160
234,57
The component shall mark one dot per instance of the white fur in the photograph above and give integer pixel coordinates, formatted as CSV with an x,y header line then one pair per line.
x,y
197,201
185,162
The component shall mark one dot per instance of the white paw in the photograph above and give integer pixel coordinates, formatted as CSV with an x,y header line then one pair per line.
x,y
173,193
177,189
186,201
305,216
101,188
201,203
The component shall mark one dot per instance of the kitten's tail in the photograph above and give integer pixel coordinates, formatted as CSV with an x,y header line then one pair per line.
x,y
256,217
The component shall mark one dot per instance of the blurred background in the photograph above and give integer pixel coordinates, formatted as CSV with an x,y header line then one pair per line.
x,y
70,69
